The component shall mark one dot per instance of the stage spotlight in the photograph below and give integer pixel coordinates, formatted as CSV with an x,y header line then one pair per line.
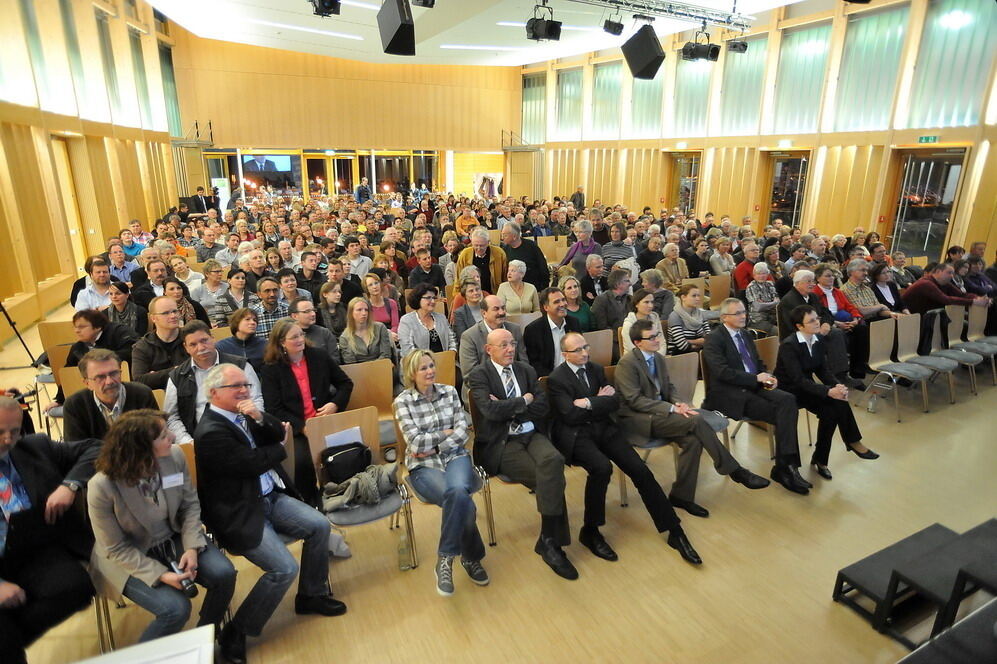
x,y
643,53
539,28
394,22
613,28
428,4
737,46
326,8
697,51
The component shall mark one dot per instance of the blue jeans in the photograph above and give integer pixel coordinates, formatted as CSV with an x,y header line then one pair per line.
x,y
291,517
452,489
172,608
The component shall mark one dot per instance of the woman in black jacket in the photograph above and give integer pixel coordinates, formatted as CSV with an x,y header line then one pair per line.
x,y
299,383
885,289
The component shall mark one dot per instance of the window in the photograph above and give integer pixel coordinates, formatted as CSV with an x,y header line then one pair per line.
x,y
953,64
741,94
141,82
170,90
107,58
30,22
866,84
162,23
800,81
424,169
645,107
73,51
606,82
569,104
692,89
534,108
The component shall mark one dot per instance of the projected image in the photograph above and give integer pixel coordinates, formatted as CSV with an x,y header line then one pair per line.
x,y
282,172
266,163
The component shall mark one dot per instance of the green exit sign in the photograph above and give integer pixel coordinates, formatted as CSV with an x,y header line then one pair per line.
x,y
927,139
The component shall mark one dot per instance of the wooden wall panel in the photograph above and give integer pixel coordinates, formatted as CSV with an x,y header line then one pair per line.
x,y
466,164
840,196
726,179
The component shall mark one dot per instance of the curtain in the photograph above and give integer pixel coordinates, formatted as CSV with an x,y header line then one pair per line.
x,y
141,82
645,107
606,81
534,108
569,104
170,90
741,94
692,89
953,63
800,82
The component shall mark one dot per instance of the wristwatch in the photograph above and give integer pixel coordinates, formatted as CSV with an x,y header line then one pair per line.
x,y
72,486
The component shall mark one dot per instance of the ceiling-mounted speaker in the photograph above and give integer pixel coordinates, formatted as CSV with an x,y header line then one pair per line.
x,y
394,20
643,53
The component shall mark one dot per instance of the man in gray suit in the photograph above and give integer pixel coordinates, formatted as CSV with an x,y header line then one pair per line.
x,y
472,342
650,409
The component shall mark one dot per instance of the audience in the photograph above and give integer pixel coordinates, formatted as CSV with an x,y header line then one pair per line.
x,y
577,307
520,296
244,343
89,412
155,354
687,324
125,312
612,306
363,339
543,336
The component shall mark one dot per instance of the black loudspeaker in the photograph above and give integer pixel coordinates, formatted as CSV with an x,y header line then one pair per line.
x,y
394,20
643,53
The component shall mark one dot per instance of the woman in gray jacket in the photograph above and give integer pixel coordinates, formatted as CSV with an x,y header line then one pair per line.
x,y
424,327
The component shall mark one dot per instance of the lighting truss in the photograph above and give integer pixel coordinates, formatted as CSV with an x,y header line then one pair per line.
x,y
676,10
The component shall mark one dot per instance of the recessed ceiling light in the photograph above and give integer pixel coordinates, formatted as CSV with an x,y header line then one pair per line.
x,y
477,47
327,33
361,5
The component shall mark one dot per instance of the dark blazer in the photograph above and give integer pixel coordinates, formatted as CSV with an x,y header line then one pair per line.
x,y
228,476
540,342
729,385
142,294
43,465
569,420
82,417
283,398
588,286
793,299
639,396
492,427
117,337
253,166
199,204
898,301
463,320
798,371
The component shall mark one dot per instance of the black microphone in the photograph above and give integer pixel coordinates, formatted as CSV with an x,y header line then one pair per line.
x,y
188,587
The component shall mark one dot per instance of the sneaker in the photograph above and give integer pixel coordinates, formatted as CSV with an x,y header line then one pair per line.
x,y
444,576
475,571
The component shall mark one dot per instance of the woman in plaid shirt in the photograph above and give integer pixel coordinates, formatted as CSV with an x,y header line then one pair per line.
x,y
435,429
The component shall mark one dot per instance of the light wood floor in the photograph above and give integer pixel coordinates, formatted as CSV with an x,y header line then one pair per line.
x,y
763,594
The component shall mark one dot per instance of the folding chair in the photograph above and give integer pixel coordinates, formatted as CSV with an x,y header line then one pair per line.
x,y
719,289
446,370
768,350
881,336
397,503
373,385
57,356
219,333
963,357
908,333
957,318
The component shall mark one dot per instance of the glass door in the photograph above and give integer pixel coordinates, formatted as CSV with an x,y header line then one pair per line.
x,y
685,178
929,182
789,184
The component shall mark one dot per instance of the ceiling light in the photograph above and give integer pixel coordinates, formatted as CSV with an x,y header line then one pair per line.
x,y
479,47
287,26
326,8
701,50
539,28
675,9
737,46
613,28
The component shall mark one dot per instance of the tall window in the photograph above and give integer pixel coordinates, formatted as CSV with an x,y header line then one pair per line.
x,y
141,82
535,108
170,90
692,89
107,58
606,81
800,82
73,51
741,94
873,43
569,104
645,108
953,64
30,22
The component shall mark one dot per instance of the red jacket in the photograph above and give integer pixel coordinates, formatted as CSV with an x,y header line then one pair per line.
x,y
744,274
840,299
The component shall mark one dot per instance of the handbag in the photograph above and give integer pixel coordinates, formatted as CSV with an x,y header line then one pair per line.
x,y
343,462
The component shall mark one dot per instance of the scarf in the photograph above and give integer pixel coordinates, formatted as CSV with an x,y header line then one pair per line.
x,y
693,320
128,317
186,310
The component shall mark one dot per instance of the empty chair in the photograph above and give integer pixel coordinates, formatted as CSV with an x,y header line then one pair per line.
x,y
963,357
908,330
881,336
957,318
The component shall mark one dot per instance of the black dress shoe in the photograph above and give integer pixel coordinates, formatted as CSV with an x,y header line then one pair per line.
x,y
782,475
749,479
555,558
690,507
868,454
795,472
326,605
679,542
823,471
232,644
597,544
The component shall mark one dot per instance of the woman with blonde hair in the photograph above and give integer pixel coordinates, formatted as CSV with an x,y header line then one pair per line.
x,y
364,339
578,308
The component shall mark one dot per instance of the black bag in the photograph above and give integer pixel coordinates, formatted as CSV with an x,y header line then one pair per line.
x,y
343,462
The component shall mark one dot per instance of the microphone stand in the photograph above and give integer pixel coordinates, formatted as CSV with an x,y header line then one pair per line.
x,y
13,326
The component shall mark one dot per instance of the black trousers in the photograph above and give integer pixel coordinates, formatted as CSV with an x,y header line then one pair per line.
x,y
596,451
779,408
304,471
56,586
831,414
858,349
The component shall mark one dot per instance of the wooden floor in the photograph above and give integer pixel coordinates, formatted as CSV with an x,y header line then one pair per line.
x,y
763,594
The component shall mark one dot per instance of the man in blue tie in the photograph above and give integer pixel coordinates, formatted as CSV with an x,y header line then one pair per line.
x,y
740,387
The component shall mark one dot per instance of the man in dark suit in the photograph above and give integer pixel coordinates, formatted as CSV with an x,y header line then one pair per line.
x,y
472,342
259,164
586,435
543,336
247,499
90,412
156,271
199,203
510,440
43,543
739,387
593,284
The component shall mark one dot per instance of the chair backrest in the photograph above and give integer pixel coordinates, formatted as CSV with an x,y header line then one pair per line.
x,y
57,356
600,346
223,332
522,320
70,380
977,323
699,282
936,334
188,451
553,248
494,237
126,372
908,334
441,306
372,386
957,322
683,370
317,428
881,335
719,289
53,333
619,340
768,350
160,397
704,370
919,261
446,367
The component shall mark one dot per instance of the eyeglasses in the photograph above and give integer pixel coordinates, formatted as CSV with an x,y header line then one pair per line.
x,y
735,313
650,338
236,386
578,350
305,311
508,344
429,297
171,312
111,375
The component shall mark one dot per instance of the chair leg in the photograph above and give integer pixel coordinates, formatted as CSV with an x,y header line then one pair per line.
x,y
105,631
623,488
770,430
993,368
924,394
98,616
737,427
896,396
486,494
951,387
972,379
409,528
810,433
726,440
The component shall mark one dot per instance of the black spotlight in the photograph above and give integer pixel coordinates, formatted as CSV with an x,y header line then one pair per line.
x,y
737,46
394,22
540,29
643,53
428,4
326,8
696,51
613,28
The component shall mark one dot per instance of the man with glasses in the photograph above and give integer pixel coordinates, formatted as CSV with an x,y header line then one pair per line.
x,y
269,309
739,386
155,354
543,336
248,502
586,434
90,413
511,415
303,312
611,307
651,408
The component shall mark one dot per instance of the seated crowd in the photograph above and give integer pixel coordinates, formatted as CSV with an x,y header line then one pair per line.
x,y
244,318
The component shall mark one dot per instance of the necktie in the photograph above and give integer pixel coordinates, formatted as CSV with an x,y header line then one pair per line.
x,y
582,377
269,479
653,370
510,392
240,419
11,502
742,348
